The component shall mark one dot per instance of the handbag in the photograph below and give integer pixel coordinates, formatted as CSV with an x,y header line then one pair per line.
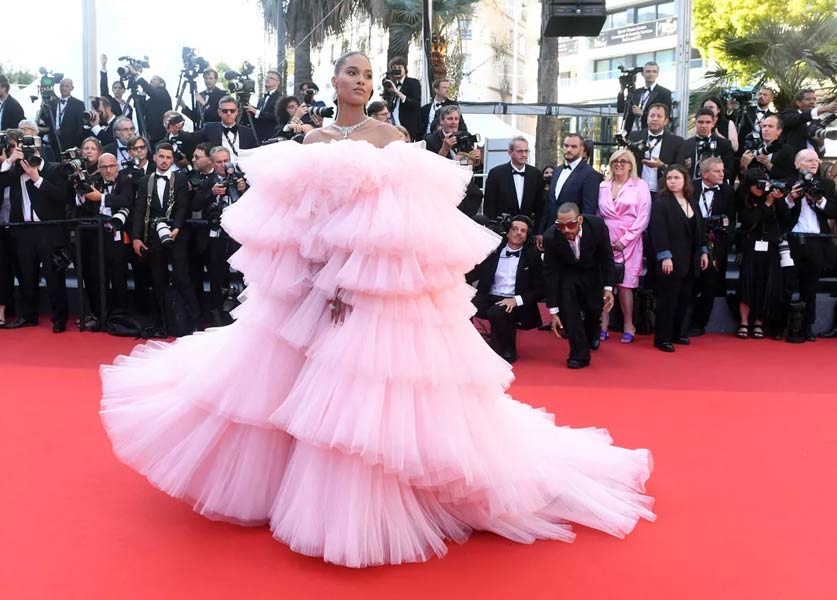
x,y
619,269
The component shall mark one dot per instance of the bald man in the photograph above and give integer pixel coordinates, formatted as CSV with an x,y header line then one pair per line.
x,y
61,118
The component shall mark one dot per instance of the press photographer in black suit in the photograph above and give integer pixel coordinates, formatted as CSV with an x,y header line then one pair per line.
x,y
811,202
661,150
161,207
510,285
649,95
579,276
11,112
514,188
227,132
429,111
157,103
716,201
264,113
706,143
797,120
403,96
65,116
207,101
102,121
38,191
753,115
120,106
769,153
123,131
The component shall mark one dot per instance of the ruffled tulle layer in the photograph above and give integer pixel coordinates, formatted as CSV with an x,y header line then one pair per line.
x,y
374,441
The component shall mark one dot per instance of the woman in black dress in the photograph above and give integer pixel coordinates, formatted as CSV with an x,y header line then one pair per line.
x,y
677,240
723,126
761,214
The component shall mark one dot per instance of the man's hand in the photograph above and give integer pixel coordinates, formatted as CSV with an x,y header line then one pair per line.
x,y
608,300
764,161
508,303
448,142
773,196
636,110
219,189
139,247
200,100
94,118
556,326
132,69
250,109
104,59
16,155
241,186
668,266
174,128
704,261
174,233
795,193
93,195
746,159
539,243
31,171
653,163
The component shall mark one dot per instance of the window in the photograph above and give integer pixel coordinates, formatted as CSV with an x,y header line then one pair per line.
x,y
664,58
567,78
665,10
696,61
465,29
646,13
608,68
618,19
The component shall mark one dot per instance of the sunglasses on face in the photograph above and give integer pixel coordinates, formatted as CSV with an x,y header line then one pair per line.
x,y
620,161
568,225
228,111
139,147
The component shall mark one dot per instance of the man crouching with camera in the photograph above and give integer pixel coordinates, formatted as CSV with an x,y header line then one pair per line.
x,y
161,207
811,202
218,191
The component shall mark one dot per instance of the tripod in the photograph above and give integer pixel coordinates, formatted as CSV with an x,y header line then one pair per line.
x,y
242,100
187,78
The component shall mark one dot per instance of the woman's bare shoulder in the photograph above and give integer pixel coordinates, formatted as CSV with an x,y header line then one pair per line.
x,y
381,134
318,135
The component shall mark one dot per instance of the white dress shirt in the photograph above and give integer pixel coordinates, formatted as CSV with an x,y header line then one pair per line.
x,y
575,246
231,142
505,278
808,222
707,195
161,185
564,175
518,182
434,106
650,174
29,213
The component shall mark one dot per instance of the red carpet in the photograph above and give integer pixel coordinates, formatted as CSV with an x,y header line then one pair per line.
x,y
743,434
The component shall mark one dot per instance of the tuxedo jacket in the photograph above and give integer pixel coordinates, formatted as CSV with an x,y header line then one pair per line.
x,y
528,283
12,113
425,116
723,203
266,121
669,148
783,163
113,148
582,188
71,133
50,201
104,92
671,232
795,129
593,271
180,209
408,111
210,109
158,101
120,196
659,95
746,126
829,212
212,133
723,151
501,196
105,135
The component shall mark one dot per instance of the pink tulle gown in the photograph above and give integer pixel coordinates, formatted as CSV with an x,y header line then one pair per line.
x,y
375,441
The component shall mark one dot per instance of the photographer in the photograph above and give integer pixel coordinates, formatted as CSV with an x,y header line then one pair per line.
x,y
704,144
798,121
207,101
30,128
767,152
161,207
107,195
38,192
124,130
120,106
753,116
514,187
11,112
62,118
724,127
99,121
762,213
378,111
264,115
716,201
289,122
649,95
217,192
811,202
654,147
403,97
91,150
315,109
228,133
158,102
183,142
441,87
199,240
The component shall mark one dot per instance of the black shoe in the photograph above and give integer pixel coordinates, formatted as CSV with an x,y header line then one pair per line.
x,y
664,346
59,327
595,343
22,323
809,335
545,327
577,364
831,333
683,341
509,357
696,332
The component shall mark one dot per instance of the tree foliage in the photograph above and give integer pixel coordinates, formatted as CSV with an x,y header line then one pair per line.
x,y
17,75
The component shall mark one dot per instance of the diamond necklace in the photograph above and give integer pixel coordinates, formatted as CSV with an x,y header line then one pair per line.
x,y
347,131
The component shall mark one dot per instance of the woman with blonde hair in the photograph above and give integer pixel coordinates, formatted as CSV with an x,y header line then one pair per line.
x,y
625,206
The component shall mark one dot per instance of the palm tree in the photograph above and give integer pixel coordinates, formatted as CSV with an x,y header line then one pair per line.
x,y
546,143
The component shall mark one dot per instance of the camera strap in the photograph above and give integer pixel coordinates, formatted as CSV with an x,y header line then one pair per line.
x,y
152,183
232,141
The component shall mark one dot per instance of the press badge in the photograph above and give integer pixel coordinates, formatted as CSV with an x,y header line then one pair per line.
x,y
762,245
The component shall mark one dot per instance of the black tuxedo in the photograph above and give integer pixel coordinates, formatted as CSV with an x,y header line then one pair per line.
x,y
795,129
408,109
748,124
528,285
158,101
669,148
105,134
36,245
576,287
659,95
688,151
12,113
425,123
213,132
71,131
582,188
266,121
783,158
681,239
501,196
209,112
472,201
104,91
717,238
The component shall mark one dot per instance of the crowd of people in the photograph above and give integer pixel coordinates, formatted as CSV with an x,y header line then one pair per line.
x,y
661,222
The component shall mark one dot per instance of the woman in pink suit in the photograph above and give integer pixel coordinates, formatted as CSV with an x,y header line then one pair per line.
x,y
625,205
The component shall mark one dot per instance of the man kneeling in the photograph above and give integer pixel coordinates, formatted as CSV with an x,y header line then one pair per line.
x,y
510,285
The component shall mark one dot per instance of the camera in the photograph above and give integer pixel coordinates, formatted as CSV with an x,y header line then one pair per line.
x,y
716,223
130,163
707,146
308,96
138,64
810,184
768,185
72,165
46,84
639,146
817,129
232,175
28,146
193,65
764,149
465,141
240,84
87,117
628,76
177,148
163,230
740,95
119,218
752,142
324,112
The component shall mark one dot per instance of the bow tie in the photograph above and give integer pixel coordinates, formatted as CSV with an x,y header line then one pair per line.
x,y
521,173
233,129
437,105
712,189
163,177
648,89
701,139
510,253
651,136
567,166
63,101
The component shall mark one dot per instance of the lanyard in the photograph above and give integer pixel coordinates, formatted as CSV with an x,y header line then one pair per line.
x,y
231,142
706,207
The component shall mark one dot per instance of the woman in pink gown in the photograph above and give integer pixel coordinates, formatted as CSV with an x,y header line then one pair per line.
x,y
625,205
351,405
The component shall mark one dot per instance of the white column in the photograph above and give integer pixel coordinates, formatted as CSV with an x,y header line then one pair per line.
x,y
90,85
683,56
